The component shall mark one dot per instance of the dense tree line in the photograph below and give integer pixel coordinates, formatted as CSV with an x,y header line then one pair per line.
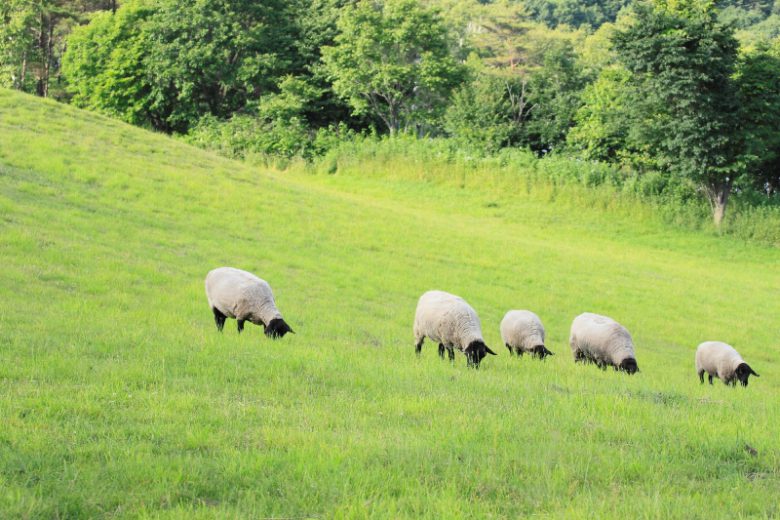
x,y
688,90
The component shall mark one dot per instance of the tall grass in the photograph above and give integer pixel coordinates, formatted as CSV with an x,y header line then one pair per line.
x,y
569,182
119,398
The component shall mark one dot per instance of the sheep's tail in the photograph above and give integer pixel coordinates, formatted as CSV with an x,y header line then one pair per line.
x,y
277,328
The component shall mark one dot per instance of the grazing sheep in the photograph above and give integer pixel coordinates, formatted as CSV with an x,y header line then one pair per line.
x,y
720,360
451,322
603,341
233,293
522,332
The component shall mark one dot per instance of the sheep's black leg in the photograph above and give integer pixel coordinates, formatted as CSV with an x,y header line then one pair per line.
x,y
418,346
451,353
710,376
511,352
219,318
441,350
240,325
701,377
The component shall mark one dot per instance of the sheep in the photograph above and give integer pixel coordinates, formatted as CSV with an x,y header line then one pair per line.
x,y
233,293
451,322
720,360
523,332
603,341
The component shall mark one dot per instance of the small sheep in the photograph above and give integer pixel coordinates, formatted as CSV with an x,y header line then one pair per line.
x,y
451,322
233,293
522,332
603,341
720,360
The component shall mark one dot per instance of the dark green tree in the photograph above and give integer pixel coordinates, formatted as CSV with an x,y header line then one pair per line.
x,y
316,26
682,97
489,111
554,93
758,82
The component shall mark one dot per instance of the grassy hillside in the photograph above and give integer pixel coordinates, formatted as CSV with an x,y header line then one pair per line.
x,y
118,398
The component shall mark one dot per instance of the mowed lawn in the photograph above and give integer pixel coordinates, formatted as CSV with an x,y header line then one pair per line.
x,y
119,398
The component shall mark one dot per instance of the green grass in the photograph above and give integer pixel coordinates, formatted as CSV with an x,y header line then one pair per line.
x,y
118,398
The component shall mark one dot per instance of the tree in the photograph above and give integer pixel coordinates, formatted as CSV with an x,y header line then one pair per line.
x,y
392,61
105,65
32,40
488,112
758,82
315,23
17,42
682,94
165,64
554,95
575,13
602,123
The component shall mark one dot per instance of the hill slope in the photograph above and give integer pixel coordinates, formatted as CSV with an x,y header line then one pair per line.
x,y
119,398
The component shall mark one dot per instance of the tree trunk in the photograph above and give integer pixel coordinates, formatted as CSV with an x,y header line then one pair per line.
x,y
39,88
48,58
719,198
23,78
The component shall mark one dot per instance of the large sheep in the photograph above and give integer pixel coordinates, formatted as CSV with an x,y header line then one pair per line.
x,y
233,293
451,322
602,340
523,332
720,360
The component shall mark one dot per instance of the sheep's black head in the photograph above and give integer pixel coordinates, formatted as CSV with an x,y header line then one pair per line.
x,y
475,352
540,351
743,372
629,365
277,328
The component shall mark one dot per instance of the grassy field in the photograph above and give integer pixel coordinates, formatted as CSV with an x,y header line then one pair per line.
x,y
118,397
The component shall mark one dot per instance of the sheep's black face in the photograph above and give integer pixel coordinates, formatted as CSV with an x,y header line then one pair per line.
x,y
475,352
277,328
540,351
629,365
743,372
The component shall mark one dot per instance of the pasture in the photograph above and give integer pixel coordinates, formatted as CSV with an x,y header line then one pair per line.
x,y
119,398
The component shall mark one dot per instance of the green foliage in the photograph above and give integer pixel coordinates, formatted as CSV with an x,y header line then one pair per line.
x,y
602,124
758,81
315,24
178,62
32,41
105,66
392,61
682,97
277,129
554,92
487,112
592,13
17,50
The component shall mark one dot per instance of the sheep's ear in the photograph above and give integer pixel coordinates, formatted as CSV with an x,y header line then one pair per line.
x,y
753,371
547,352
487,349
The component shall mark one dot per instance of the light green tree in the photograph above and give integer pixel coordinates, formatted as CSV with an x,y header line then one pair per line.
x,y
392,61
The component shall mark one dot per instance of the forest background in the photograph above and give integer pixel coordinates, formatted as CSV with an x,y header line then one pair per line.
x,y
674,103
